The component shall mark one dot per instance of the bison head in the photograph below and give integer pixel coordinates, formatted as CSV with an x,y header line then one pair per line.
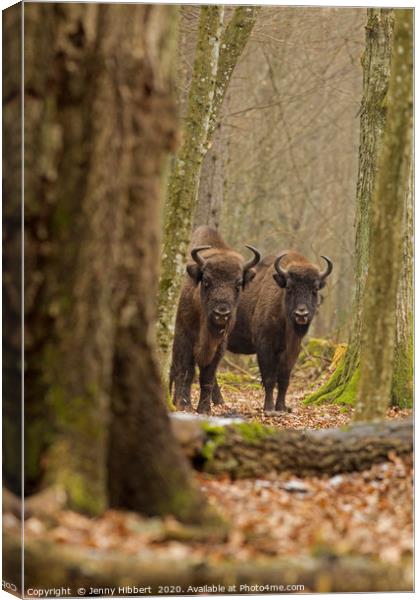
x,y
222,275
301,282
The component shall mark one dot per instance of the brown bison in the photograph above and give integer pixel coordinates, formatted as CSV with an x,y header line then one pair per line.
x,y
206,314
273,316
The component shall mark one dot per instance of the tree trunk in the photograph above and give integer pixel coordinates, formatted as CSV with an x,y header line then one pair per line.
x,y
210,191
387,217
146,469
342,386
61,83
95,153
402,382
215,58
12,249
185,175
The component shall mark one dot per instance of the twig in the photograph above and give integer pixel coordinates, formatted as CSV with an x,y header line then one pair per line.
x,y
240,369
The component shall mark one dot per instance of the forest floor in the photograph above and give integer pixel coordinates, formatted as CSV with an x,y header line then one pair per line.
x,y
367,513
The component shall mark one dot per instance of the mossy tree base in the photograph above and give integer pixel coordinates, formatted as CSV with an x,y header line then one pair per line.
x,y
337,389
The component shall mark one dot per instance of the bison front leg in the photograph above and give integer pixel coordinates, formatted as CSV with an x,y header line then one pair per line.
x,y
268,369
283,377
216,394
182,371
207,381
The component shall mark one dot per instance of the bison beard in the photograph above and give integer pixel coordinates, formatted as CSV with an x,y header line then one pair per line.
x,y
206,314
274,314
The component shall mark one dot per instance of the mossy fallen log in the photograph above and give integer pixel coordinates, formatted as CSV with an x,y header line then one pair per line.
x,y
48,565
252,450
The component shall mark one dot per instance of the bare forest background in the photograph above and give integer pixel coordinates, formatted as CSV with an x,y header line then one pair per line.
x,y
281,171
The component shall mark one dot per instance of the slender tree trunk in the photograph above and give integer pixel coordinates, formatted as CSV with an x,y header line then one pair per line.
x,y
210,192
215,58
185,175
342,386
385,247
402,382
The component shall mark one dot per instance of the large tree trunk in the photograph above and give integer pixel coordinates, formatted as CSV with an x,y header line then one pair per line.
x,y
146,470
215,58
387,217
75,162
342,386
100,120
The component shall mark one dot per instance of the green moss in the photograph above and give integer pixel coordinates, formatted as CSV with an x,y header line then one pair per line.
x,y
253,432
402,379
315,356
227,378
215,435
348,394
334,390
79,493
328,388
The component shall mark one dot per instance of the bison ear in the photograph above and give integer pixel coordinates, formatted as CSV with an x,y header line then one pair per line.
x,y
248,276
194,271
322,284
280,279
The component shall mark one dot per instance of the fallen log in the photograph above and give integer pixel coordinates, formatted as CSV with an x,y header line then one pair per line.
x,y
52,566
244,449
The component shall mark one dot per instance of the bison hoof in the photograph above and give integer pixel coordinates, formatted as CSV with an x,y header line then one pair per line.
x,y
218,401
204,409
284,409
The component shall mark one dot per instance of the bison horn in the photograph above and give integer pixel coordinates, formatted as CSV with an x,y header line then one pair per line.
x,y
195,254
277,266
323,274
254,261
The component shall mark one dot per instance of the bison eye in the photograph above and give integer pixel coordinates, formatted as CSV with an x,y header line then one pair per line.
x,y
206,283
238,285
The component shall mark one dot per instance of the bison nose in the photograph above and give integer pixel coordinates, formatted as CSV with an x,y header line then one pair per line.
x,y
222,312
301,311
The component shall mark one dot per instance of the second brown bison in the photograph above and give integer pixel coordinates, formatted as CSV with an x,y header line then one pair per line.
x,y
273,316
206,314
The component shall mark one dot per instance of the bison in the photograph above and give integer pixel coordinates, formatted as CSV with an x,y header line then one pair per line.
x,y
273,316
206,314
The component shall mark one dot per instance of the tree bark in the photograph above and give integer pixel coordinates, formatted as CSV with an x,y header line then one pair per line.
x,y
48,565
403,367
12,248
387,217
185,173
215,58
376,61
210,191
101,120
146,469
251,450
